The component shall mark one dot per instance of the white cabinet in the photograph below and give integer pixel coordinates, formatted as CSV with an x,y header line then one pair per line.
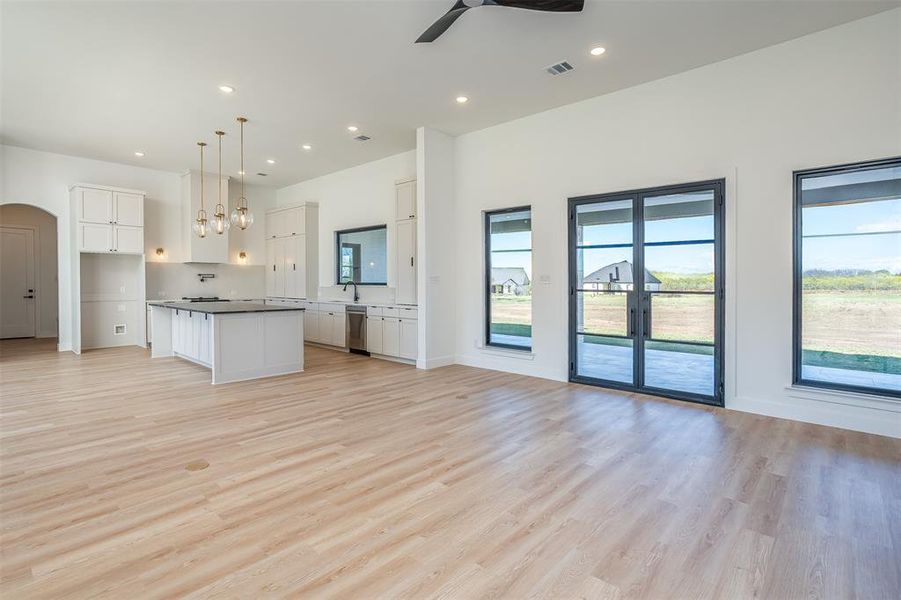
x,y
95,206
390,336
334,334
405,200
405,242
409,338
192,336
109,220
93,237
128,209
374,334
405,235
311,325
129,240
292,238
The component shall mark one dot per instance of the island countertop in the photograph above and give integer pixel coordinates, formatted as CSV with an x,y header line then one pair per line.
x,y
225,308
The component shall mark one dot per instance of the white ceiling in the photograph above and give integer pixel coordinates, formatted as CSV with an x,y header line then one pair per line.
x,y
103,80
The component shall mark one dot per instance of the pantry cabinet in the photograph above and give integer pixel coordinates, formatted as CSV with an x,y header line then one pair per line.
x,y
405,241
292,238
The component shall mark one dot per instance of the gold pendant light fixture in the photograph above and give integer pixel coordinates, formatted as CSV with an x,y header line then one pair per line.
x,y
220,219
200,226
241,215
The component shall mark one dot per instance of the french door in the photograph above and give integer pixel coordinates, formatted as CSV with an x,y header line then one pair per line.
x,y
646,291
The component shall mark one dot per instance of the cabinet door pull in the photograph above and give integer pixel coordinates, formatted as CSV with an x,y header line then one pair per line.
x,y
295,266
411,261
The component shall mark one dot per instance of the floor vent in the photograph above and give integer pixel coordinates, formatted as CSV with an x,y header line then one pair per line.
x,y
362,138
120,330
560,68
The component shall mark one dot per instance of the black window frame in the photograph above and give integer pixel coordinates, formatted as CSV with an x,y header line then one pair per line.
x,y
797,265
718,186
487,233
338,234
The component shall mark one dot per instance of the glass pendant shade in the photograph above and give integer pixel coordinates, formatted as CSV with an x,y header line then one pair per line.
x,y
201,226
221,221
241,216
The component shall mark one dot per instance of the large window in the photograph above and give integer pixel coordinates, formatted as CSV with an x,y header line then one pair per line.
x,y
847,332
361,255
508,278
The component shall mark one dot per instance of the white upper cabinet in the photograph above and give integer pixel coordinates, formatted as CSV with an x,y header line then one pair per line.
x,y
128,240
109,219
95,206
405,200
128,209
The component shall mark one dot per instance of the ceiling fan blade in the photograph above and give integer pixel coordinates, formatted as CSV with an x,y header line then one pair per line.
x,y
441,25
545,5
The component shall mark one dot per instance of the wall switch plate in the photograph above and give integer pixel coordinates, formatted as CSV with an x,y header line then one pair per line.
x,y
120,307
121,289
544,279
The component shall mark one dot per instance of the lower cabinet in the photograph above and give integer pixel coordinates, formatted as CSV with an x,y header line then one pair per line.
x,y
392,336
324,324
191,336
310,325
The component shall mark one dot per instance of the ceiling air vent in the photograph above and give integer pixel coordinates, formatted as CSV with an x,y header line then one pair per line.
x,y
362,138
263,174
560,68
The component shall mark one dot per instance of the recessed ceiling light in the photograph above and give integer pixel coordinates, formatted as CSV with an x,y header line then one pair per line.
x,y
226,88
139,154
462,99
598,51
270,161
352,128
307,147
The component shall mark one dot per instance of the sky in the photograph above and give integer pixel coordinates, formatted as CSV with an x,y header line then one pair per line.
x,y
860,236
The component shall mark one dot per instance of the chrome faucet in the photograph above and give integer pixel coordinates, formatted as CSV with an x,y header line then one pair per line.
x,y
353,283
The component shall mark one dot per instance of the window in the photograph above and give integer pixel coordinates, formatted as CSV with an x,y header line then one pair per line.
x,y
508,278
847,326
361,255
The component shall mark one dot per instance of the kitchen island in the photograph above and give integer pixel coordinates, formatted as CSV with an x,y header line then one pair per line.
x,y
236,340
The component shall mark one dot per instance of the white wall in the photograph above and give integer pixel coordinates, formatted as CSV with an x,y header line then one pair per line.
x,y
42,179
435,242
828,98
355,197
46,290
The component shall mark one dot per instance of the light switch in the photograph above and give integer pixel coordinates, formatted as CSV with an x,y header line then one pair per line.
x,y
544,279
120,307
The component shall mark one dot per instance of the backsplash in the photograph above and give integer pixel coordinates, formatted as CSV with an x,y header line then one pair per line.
x,y
377,294
175,280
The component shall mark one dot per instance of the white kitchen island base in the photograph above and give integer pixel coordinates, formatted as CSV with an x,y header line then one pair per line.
x,y
237,341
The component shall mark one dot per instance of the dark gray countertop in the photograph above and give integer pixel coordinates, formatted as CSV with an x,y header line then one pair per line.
x,y
225,308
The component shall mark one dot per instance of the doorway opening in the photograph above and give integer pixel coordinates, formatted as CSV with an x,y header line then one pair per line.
x,y
646,291
29,296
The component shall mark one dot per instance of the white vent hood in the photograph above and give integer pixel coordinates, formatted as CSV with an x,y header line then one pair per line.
x,y
214,247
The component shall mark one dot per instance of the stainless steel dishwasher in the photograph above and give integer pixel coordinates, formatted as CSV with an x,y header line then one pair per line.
x,y
355,331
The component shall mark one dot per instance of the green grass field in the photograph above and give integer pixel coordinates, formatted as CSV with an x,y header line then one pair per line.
x,y
843,328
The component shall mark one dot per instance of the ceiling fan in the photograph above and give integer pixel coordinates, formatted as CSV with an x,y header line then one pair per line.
x,y
461,6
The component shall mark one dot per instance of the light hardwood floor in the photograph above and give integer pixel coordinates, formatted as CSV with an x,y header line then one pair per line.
x,y
363,479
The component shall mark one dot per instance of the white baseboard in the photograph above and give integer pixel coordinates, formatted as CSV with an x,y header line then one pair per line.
x,y
881,421
434,363
507,364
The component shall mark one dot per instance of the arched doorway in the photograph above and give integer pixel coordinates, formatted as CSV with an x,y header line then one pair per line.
x,y
29,288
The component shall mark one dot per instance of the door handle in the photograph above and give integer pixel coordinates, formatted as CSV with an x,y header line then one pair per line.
x,y
28,296
645,324
631,322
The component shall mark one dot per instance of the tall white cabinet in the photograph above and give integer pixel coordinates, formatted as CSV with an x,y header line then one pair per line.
x,y
405,241
107,267
292,250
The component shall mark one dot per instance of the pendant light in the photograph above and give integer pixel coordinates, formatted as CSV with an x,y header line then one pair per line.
x,y
220,219
200,223
241,216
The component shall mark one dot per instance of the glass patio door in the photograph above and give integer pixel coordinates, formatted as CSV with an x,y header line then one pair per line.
x,y
646,291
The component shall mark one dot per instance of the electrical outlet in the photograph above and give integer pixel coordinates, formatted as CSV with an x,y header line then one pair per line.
x,y
121,289
120,307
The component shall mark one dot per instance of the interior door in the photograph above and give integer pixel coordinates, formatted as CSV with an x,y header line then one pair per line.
x,y
646,287
17,291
